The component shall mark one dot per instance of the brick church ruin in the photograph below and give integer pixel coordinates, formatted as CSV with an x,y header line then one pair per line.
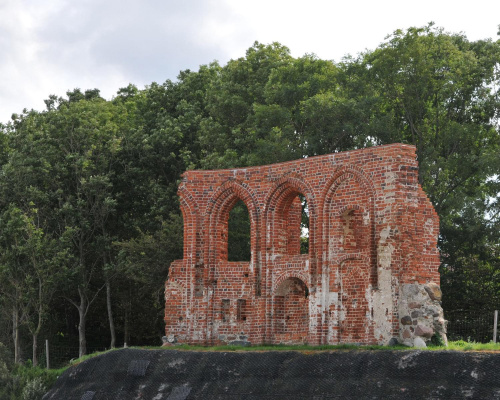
x,y
370,274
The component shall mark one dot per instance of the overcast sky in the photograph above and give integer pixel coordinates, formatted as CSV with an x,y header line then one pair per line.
x,y
51,46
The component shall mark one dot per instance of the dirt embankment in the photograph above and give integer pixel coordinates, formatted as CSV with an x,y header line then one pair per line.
x,y
178,375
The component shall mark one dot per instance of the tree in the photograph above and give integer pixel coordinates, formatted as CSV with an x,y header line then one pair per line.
x,y
87,138
439,92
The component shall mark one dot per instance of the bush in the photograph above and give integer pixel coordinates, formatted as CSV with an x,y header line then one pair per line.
x,y
34,389
437,340
5,375
31,383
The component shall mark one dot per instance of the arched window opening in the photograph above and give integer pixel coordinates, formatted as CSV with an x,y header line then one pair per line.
x,y
238,243
291,224
304,226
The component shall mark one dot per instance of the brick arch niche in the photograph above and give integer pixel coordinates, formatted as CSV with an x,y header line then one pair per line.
x,y
356,284
218,209
283,214
291,311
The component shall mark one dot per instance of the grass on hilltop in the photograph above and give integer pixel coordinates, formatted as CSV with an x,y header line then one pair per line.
x,y
459,345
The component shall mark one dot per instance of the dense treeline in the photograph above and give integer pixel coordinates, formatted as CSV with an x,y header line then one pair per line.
x,y
89,217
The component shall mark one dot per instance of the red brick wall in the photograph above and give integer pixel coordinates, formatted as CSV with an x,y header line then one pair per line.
x,y
372,229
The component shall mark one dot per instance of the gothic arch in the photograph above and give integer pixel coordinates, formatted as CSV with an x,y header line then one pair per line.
x,y
345,257
283,277
332,211
285,190
217,213
290,310
188,206
346,172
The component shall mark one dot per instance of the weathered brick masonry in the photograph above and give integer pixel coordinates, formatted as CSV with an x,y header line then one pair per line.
x,y
372,269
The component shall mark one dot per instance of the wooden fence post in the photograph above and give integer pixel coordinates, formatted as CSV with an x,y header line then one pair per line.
x,y
47,353
495,324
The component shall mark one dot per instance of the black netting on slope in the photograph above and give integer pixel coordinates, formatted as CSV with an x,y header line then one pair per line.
x,y
180,375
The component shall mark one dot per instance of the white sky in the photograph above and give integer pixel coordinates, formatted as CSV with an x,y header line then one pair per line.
x,y
51,46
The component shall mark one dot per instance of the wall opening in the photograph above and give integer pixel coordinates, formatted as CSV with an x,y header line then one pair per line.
x,y
241,310
304,226
239,238
291,310
225,310
291,224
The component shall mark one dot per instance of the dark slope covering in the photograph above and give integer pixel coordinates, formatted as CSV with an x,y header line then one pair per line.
x,y
172,374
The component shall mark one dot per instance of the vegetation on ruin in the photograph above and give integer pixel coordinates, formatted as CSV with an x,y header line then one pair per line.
x,y
89,216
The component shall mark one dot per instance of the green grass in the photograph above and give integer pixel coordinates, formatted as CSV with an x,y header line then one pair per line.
x,y
280,347
462,345
455,345
91,355
459,345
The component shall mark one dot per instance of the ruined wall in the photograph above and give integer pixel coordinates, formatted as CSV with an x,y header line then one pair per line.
x,y
371,273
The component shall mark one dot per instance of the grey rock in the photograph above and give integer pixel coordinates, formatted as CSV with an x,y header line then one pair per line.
x,y
419,342
409,290
425,331
244,343
434,291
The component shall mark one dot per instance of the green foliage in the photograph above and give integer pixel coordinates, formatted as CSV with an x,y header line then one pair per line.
x,y
238,242
31,383
437,340
34,389
23,382
5,377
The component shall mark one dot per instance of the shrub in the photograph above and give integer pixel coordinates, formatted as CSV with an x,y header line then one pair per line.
x,y
34,389
5,375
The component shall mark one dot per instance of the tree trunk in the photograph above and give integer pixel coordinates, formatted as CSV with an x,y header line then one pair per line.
x,y
82,311
15,335
110,314
126,333
35,348
36,331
